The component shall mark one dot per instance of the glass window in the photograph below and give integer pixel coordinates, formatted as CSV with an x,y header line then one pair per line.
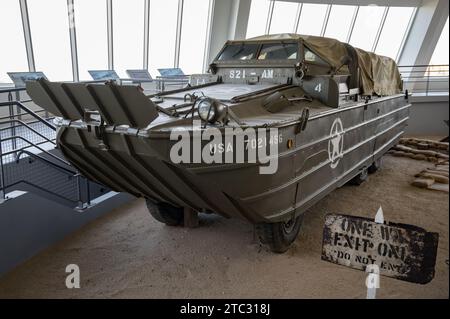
x,y
128,33
193,35
312,18
366,27
163,31
257,18
312,57
14,57
239,52
439,59
394,29
440,54
283,17
92,36
49,26
278,51
339,22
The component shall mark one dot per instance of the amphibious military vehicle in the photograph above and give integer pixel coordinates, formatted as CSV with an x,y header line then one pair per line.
x,y
321,113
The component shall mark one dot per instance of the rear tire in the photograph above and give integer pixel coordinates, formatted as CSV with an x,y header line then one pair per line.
x,y
376,166
360,178
279,236
166,213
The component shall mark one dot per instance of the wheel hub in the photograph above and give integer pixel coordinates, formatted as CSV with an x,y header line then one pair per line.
x,y
288,226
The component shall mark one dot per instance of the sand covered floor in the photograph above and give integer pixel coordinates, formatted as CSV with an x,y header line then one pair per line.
x,y
127,254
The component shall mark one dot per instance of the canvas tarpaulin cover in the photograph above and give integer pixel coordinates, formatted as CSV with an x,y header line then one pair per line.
x,y
378,74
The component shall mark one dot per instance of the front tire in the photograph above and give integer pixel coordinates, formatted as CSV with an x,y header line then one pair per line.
x,y
279,236
166,213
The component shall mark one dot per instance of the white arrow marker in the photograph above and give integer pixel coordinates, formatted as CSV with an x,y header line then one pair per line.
x,y
373,279
379,218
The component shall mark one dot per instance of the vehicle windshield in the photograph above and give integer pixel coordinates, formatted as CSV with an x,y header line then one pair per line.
x,y
239,52
279,51
269,51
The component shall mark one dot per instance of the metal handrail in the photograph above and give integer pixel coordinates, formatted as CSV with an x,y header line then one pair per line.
x,y
65,170
27,126
421,65
434,77
22,181
31,145
15,121
46,161
75,174
7,90
426,79
30,112
20,115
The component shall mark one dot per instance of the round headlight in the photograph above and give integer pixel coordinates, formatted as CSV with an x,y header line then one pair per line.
x,y
206,110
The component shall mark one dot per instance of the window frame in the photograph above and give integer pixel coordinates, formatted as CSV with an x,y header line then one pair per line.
x,y
274,63
327,63
256,52
272,44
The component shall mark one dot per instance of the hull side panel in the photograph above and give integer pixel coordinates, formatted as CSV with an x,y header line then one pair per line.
x,y
306,173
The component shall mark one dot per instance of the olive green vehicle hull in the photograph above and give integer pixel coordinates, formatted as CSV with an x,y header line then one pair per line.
x,y
141,165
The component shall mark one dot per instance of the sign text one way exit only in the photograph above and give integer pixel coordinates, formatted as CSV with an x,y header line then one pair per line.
x,y
400,251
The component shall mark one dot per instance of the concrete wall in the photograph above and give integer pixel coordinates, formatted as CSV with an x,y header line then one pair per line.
x,y
427,116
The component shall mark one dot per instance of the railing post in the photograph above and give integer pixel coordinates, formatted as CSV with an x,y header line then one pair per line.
x,y
2,175
80,205
19,113
11,117
88,192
